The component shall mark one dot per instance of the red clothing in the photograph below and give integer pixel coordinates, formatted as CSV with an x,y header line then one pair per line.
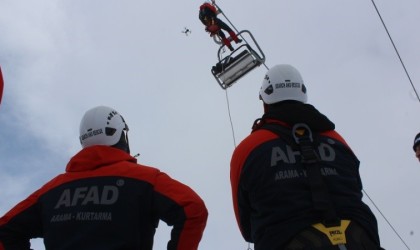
x,y
209,6
105,200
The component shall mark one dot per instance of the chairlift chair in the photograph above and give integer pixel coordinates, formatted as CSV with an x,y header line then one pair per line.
x,y
238,63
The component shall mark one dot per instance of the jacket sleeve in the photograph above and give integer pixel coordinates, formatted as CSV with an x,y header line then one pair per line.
x,y
238,197
240,200
20,224
179,206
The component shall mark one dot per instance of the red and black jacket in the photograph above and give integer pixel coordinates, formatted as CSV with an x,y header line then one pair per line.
x,y
207,14
105,200
271,197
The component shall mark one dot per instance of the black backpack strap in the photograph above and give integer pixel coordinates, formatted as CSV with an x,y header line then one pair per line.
x,y
301,139
320,194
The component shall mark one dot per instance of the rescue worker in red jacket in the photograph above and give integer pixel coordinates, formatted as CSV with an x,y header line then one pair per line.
x,y
208,16
283,202
105,200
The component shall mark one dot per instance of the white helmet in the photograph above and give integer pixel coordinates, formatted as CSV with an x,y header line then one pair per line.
x,y
101,126
283,82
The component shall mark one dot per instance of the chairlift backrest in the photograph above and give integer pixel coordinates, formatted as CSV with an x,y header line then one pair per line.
x,y
238,63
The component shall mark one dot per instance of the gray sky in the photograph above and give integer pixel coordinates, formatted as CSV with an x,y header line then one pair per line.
x,y
60,58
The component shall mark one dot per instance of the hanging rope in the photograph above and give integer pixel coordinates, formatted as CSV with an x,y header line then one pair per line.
x,y
377,208
226,91
227,97
418,98
396,50
230,118
233,135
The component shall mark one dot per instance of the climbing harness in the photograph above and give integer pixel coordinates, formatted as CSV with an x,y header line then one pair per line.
x,y
301,138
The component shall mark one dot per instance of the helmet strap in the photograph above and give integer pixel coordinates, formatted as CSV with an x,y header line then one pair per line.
x,y
123,142
265,107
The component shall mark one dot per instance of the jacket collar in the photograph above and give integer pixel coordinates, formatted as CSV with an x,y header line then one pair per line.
x,y
94,157
290,113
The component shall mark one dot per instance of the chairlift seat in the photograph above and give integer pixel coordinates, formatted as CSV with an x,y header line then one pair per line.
x,y
230,69
242,60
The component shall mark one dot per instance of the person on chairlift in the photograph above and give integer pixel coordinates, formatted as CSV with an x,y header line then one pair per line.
x,y
208,16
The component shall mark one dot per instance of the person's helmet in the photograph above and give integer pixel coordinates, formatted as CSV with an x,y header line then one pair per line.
x,y
102,126
283,82
416,142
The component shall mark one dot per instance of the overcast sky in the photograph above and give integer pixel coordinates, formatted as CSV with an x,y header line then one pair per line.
x,y
60,58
